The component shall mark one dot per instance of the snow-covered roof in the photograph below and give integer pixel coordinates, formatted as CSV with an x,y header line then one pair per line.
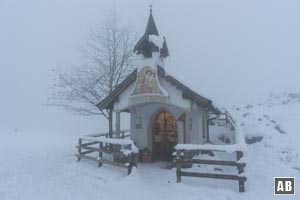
x,y
157,40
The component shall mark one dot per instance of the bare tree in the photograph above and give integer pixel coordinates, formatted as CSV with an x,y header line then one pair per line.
x,y
109,59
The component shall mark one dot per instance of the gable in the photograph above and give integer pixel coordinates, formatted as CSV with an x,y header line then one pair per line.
x,y
186,92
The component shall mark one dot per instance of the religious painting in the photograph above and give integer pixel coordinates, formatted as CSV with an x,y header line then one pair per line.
x,y
146,82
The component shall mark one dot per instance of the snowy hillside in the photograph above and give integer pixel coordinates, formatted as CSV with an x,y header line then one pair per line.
x,y
276,123
43,165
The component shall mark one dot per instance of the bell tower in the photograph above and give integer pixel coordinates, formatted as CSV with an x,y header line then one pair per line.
x,y
151,42
151,51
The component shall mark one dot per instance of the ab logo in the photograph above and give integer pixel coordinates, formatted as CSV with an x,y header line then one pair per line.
x,y
284,185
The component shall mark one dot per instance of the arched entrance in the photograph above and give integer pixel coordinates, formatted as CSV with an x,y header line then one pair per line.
x,y
164,136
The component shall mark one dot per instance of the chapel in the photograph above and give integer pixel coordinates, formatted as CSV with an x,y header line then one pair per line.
x,y
163,111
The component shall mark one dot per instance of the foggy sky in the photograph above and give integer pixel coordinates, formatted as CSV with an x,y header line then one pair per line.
x,y
235,52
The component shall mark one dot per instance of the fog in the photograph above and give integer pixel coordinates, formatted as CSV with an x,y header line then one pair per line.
x,y
235,52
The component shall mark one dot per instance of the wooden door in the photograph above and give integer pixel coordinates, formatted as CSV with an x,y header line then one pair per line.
x,y
165,136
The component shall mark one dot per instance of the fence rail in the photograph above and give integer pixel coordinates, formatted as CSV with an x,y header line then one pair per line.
x,y
123,134
226,116
180,161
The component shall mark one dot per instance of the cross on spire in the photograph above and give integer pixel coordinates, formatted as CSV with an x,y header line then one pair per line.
x,y
151,27
143,46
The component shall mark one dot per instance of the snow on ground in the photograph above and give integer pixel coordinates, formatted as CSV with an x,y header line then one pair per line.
x,y
277,121
38,166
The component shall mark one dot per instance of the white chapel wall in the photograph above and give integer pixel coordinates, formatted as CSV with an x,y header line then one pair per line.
x,y
176,105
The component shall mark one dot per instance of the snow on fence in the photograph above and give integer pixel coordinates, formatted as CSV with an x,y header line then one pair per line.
x,y
180,160
123,151
226,116
239,147
123,134
229,119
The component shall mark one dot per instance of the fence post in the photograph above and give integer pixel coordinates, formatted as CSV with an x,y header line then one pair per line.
x,y
134,159
226,118
130,161
133,156
239,155
79,149
178,166
240,168
241,186
100,154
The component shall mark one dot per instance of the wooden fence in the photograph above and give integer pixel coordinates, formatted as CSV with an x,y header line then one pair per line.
x,y
123,134
180,161
228,119
123,152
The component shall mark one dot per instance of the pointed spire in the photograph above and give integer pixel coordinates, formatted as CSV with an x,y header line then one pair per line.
x,y
164,51
145,47
151,27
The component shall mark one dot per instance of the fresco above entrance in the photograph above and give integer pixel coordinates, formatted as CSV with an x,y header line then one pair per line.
x,y
147,82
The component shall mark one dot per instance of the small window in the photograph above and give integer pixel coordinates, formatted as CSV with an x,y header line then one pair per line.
x,y
138,122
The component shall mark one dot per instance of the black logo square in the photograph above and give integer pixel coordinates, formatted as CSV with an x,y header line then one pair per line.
x,y
284,185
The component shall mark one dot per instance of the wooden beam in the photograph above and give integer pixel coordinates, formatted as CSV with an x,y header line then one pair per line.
x,y
86,152
102,150
212,162
241,179
79,148
118,125
87,157
215,176
114,163
239,155
178,166
103,161
187,131
89,143
100,154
